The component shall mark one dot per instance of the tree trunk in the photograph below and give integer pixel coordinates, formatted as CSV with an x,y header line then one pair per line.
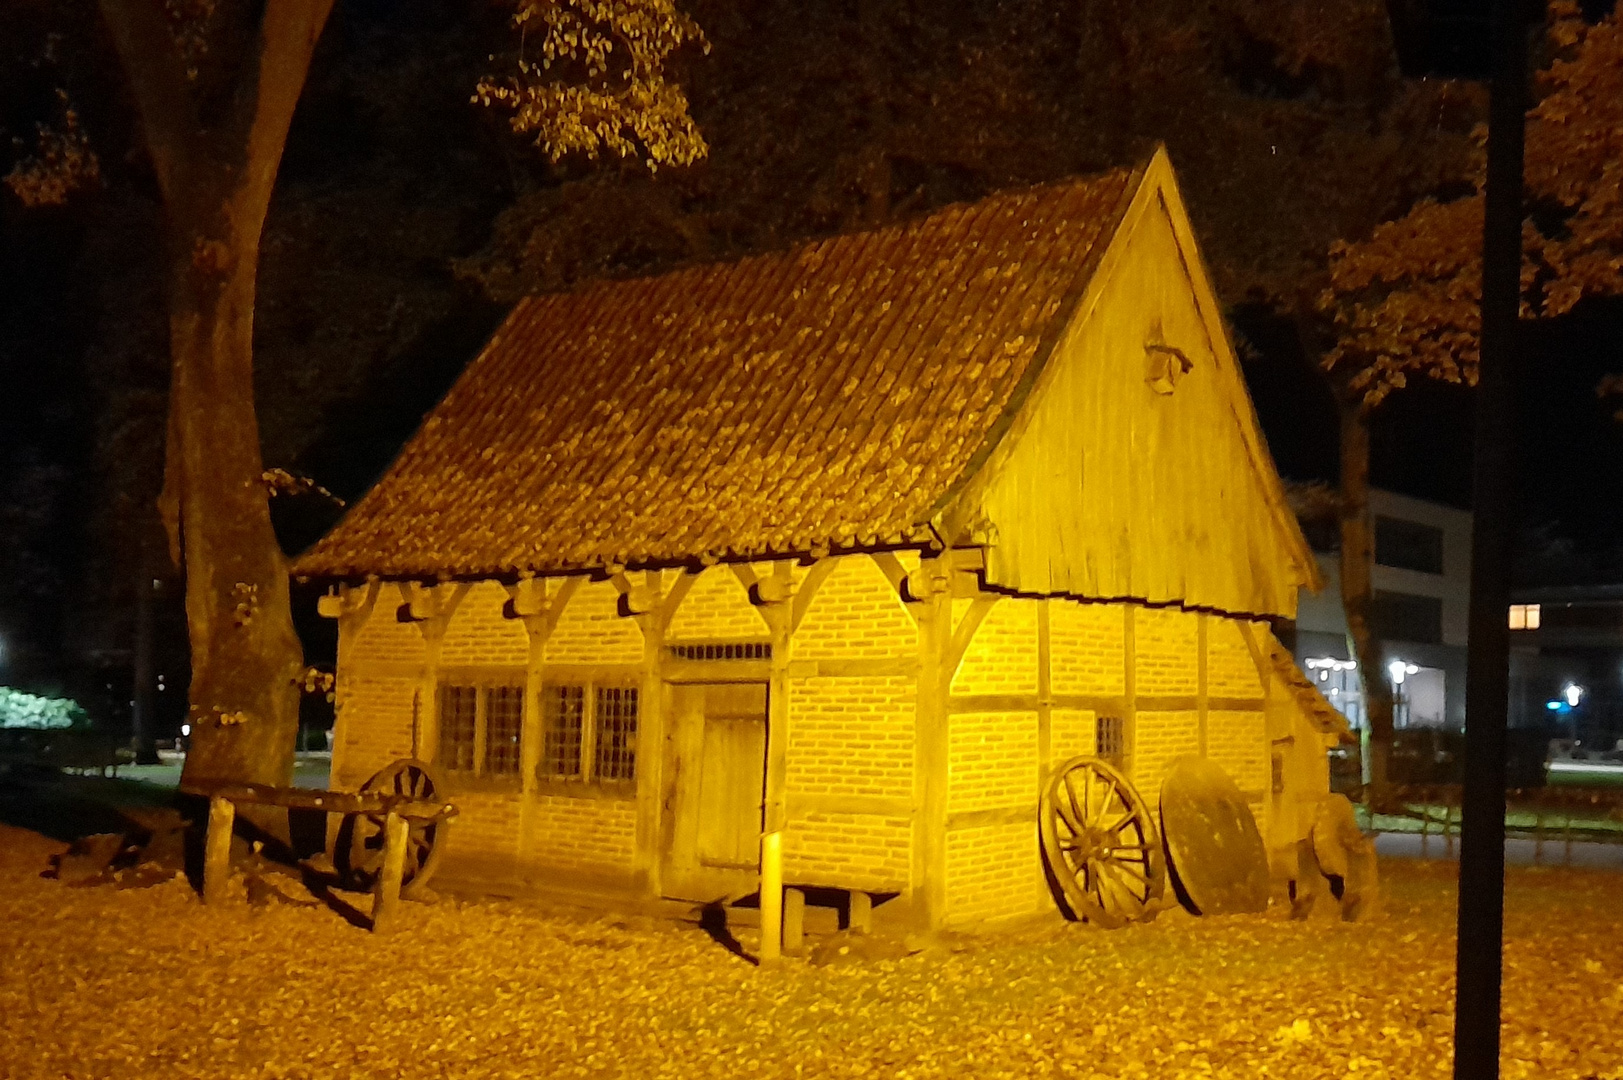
x,y
1357,598
215,141
246,657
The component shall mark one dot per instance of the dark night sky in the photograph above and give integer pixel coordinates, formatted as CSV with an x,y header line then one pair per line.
x,y
1570,447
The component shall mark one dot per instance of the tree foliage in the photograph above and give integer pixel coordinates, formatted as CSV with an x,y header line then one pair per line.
x,y
600,85
1406,301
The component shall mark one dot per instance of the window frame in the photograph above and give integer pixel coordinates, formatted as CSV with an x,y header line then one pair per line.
x,y
485,684
586,779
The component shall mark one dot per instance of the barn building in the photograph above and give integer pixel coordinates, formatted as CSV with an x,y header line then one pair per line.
x,y
851,543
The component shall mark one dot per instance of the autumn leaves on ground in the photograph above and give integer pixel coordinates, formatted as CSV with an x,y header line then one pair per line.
x,y
101,982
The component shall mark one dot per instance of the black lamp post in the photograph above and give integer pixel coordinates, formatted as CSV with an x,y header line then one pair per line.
x,y
1476,39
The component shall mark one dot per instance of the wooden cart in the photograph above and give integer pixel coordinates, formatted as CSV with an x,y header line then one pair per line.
x,y
390,841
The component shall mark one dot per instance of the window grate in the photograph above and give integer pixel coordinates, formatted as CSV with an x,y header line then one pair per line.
x,y
616,756
1110,740
723,650
564,715
459,718
504,729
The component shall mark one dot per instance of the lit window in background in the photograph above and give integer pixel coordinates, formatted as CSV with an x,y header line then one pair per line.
x,y
1524,616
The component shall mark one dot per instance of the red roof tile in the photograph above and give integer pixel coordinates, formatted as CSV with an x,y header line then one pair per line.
x,y
827,396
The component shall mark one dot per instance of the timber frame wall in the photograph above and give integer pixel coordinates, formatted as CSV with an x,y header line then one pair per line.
x,y
912,715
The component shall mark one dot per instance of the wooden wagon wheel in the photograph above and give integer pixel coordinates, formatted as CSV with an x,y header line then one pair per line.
x,y
1101,844
360,840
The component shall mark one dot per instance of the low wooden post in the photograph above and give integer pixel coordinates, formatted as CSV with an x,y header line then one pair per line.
x,y
861,915
217,849
794,921
395,831
771,896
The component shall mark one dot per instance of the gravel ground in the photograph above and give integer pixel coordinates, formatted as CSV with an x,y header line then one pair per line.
x,y
98,982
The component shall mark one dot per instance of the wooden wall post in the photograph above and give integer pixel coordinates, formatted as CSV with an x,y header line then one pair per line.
x,y
931,755
1202,679
385,909
1129,720
217,850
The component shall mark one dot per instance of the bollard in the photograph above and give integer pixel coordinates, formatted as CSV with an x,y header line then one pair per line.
x,y
217,850
771,896
794,921
860,917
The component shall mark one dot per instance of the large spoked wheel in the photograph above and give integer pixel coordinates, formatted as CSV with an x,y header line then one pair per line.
x,y
1101,844
361,839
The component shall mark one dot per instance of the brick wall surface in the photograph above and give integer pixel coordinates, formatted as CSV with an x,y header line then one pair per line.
x,y
1168,645
1085,647
856,614
851,736
591,629
486,826
717,608
383,637
374,727
1070,734
1002,656
992,761
848,851
1230,671
479,634
1238,742
1158,738
993,873
588,835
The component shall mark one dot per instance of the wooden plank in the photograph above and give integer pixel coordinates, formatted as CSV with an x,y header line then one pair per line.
x,y
217,849
385,909
993,703
900,666
964,632
713,671
803,806
335,802
730,787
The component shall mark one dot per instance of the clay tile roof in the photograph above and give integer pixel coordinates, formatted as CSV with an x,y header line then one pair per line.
x,y
1324,717
826,396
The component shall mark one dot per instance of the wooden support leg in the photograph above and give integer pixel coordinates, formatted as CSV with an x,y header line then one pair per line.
x,y
794,921
395,831
861,912
217,850
771,896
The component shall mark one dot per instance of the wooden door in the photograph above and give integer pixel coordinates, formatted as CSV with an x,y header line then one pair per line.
x,y
715,790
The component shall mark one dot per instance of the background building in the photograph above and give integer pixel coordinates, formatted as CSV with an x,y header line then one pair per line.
x,y
1566,662
1422,580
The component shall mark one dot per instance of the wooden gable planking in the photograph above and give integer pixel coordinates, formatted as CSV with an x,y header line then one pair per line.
x,y
1105,487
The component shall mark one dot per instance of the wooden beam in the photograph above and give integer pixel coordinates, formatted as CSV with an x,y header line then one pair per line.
x,y
964,632
927,878
1129,720
998,815
802,806
217,849
1202,680
809,585
385,908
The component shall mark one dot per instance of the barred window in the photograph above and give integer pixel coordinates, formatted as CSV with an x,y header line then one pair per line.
x,y
564,713
459,712
504,729
1110,740
616,751
481,729
722,650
